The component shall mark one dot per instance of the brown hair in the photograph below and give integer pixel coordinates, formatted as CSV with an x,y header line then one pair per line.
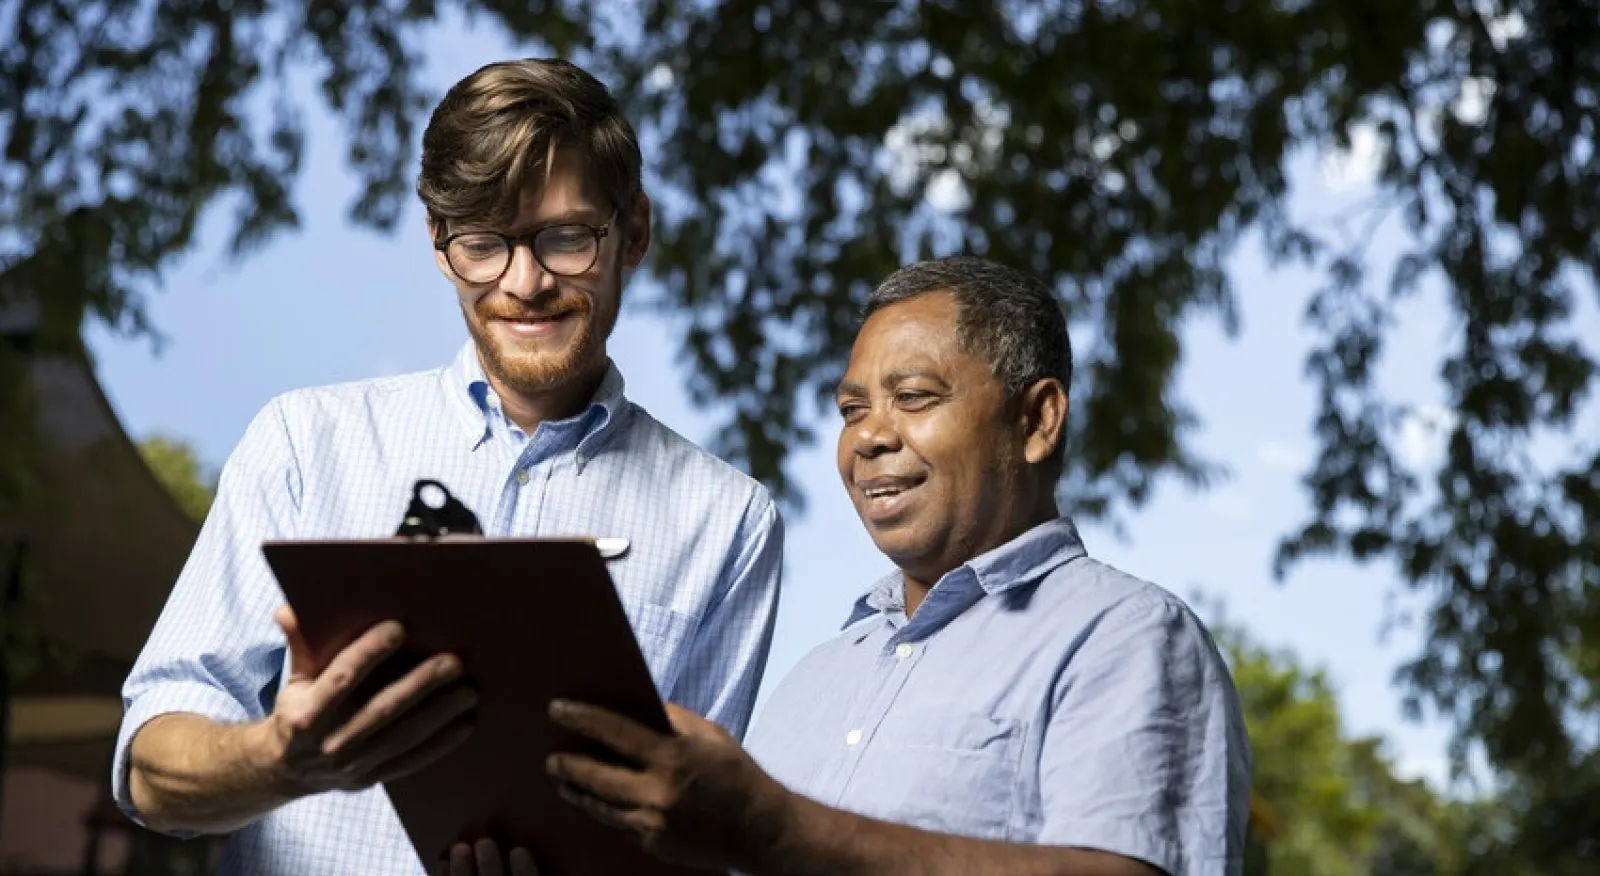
x,y
499,126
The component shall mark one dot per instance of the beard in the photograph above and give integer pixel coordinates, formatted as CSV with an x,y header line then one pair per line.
x,y
533,366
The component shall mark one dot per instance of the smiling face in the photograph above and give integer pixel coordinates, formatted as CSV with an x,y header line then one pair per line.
x,y
940,462
537,332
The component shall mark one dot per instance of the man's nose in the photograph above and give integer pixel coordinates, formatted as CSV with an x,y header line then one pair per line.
x,y
524,277
874,434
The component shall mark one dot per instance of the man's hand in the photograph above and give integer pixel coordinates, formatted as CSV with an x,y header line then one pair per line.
x,y
192,773
317,739
483,858
694,797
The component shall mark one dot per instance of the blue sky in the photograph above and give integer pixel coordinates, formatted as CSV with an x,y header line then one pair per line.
x,y
332,303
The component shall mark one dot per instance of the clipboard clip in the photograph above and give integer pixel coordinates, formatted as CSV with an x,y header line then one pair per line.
x,y
448,517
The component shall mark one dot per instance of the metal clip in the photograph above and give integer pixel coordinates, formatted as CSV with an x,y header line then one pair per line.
x,y
447,517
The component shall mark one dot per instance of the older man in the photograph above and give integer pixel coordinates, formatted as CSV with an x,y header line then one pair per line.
x,y
1002,703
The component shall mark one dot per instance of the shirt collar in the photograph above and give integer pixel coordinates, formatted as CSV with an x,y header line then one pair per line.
x,y
476,403
1019,562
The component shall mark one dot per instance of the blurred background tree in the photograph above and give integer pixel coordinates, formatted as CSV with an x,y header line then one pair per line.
x,y
178,468
1327,803
1121,149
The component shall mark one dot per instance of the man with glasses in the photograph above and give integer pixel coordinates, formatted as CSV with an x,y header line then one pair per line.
x,y
531,180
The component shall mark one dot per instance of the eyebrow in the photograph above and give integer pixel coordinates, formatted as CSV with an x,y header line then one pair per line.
x,y
899,375
850,387
586,215
580,215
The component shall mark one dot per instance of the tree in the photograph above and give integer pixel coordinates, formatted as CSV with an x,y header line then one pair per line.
x,y
175,464
1120,149
1327,803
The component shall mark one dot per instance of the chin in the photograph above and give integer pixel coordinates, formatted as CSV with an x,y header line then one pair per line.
x,y
534,372
902,548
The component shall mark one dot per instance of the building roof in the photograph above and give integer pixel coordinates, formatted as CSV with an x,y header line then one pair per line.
x,y
104,542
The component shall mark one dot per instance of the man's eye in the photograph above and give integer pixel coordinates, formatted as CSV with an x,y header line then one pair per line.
x,y
563,239
913,400
851,410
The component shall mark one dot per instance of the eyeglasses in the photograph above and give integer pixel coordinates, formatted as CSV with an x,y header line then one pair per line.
x,y
564,250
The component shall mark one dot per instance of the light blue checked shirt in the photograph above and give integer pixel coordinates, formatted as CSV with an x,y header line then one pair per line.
x,y
699,581
1036,696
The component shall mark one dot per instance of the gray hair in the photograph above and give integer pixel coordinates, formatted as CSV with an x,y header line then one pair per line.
x,y
1005,316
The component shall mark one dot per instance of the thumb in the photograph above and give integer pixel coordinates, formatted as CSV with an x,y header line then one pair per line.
x,y
687,723
300,664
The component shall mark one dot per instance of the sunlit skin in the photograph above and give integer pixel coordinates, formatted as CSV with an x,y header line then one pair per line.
x,y
937,461
542,337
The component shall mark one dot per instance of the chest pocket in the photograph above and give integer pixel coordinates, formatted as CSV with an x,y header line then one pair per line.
x,y
664,636
940,770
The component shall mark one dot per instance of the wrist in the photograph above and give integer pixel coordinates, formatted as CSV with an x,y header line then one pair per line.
x,y
781,827
263,754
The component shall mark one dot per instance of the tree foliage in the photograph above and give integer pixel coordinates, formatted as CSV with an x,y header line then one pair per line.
x,y
1331,803
178,468
1120,148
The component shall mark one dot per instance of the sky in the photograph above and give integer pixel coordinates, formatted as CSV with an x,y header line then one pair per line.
x,y
331,302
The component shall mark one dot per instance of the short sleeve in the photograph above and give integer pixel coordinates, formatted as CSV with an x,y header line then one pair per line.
x,y
729,653
1146,754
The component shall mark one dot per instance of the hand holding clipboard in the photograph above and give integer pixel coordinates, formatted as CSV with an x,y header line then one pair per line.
x,y
487,602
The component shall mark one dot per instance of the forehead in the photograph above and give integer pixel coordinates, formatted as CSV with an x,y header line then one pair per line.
x,y
560,191
917,334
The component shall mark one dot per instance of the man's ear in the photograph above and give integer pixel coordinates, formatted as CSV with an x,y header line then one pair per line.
x,y
637,240
1044,419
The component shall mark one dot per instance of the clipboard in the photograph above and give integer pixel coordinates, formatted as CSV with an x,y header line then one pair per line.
x,y
532,619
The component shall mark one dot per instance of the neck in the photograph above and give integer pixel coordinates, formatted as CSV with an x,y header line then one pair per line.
x,y
919,583
566,399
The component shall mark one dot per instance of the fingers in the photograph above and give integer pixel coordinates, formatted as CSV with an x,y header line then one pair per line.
x,y
394,700
409,732
634,820
462,860
618,784
617,733
342,674
522,863
483,859
488,855
597,809
435,747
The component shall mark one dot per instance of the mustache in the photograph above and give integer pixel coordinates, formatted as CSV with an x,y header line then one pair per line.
x,y
556,306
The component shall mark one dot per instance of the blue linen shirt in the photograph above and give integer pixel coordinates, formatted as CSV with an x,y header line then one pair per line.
x,y
699,581
1036,696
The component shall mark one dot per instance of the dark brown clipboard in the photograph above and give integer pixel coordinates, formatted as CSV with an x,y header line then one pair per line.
x,y
532,620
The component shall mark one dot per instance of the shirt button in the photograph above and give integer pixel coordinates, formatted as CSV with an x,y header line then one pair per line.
x,y
902,651
522,476
852,738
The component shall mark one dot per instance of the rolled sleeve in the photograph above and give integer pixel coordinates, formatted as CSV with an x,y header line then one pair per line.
x,y
1146,754
215,650
730,651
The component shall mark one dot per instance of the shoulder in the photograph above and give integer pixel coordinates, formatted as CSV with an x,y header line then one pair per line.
x,y
1134,631
294,423
1112,601
398,405
356,399
695,477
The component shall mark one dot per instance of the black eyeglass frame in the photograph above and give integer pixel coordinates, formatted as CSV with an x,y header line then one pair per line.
x,y
512,241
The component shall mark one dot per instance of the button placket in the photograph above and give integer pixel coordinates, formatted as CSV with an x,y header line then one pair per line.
x,y
864,729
